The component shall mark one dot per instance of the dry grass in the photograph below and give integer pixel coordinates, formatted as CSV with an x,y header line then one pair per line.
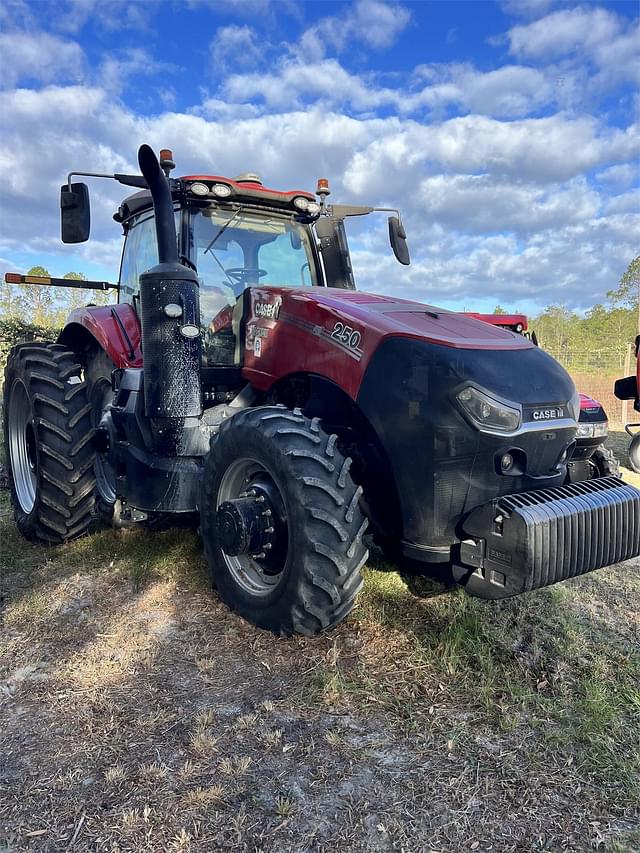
x,y
138,714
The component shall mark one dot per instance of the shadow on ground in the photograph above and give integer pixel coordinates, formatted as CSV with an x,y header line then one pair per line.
x,y
138,713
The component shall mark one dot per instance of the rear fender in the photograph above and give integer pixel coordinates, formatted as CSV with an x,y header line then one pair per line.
x,y
114,328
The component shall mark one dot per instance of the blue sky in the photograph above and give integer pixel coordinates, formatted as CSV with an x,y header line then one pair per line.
x,y
506,132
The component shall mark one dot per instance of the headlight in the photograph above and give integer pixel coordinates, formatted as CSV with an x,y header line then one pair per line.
x,y
487,412
221,190
199,188
600,430
301,202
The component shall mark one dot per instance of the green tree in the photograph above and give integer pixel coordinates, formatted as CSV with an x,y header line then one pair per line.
x,y
75,297
37,300
79,297
9,300
499,310
627,294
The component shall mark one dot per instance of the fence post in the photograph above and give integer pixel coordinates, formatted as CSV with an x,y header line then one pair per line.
x,y
627,371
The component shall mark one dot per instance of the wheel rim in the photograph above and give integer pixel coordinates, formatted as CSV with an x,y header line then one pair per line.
x,y
248,572
23,452
102,397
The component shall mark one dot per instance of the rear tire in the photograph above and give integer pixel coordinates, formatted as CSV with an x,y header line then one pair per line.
x,y
634,453
48,442
314,583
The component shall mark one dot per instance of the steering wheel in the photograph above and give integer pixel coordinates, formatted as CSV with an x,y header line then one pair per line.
x,y
242,274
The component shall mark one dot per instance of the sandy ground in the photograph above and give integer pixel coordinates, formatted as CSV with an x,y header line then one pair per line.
x,y
138,714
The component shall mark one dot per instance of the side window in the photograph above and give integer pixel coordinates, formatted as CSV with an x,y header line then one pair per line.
x,y
285,260
140,254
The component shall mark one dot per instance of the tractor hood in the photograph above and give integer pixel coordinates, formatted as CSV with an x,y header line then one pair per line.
x,y
392,316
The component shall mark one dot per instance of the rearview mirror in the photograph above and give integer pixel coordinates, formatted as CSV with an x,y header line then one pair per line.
x,y
75,213
398,240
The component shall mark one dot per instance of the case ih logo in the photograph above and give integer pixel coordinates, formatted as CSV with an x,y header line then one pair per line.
x,y
547,414
268,309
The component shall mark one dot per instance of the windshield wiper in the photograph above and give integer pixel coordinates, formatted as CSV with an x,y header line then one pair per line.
x,y
222,230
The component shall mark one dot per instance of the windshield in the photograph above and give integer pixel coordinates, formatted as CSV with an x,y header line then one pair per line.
x,y
235,248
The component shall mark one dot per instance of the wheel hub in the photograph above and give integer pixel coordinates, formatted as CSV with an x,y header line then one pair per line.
x,y
253,524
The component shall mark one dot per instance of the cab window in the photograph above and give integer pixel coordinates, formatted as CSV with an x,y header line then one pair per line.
x,y
140,253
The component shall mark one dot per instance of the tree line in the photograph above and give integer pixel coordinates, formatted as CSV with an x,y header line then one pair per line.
x,y
607,327
47,306
600,337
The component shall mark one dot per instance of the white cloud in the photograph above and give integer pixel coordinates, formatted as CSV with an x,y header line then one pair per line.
x,y
527,8
510,91
621,176
296,81
563,32
72,15
628,202
119,66
39,56
236,46
483,204
372,23
248,8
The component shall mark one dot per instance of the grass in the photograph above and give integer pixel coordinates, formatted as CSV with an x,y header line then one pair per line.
x,y
134,708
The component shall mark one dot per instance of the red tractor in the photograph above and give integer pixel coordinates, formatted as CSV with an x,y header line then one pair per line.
x,y
629,389
243,380
590,458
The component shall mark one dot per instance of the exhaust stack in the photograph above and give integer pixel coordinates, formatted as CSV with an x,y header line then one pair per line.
x,y
170,316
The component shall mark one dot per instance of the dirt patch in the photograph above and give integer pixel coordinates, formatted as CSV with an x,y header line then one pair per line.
x,y
138,714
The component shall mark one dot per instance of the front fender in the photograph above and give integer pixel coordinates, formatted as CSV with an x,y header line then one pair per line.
x,y
115,328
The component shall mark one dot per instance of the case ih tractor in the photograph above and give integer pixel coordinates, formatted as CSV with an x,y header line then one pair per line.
x,y
629,389
242,378
590,458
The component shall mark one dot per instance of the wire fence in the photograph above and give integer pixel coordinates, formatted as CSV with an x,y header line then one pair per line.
x,y
595,372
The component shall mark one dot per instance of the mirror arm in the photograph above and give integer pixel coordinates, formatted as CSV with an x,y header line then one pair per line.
x,y
390,210
128,180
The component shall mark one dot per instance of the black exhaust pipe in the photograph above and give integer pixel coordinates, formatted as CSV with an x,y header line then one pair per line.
x,y
170,317
162,205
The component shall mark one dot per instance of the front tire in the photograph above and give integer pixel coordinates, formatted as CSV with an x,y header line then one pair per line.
x,y
48,442
606,463
309,578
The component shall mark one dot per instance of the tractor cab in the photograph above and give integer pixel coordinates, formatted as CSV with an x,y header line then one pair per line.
x,y
262,238
238,234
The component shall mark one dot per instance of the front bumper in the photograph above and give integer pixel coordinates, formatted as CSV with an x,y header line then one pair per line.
x,y
525,541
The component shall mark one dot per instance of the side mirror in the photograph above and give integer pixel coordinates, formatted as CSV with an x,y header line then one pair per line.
x,y
398,240
75,213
